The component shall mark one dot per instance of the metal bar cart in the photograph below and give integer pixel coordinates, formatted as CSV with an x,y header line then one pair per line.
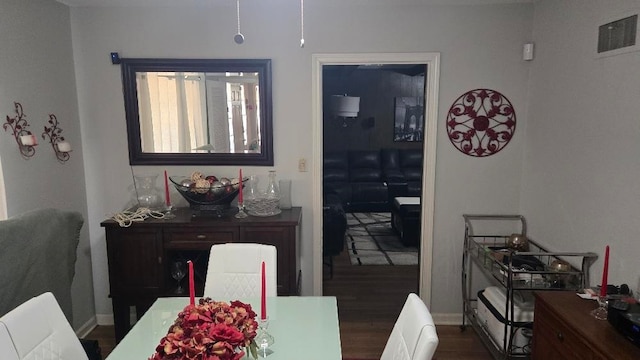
x,y
515,271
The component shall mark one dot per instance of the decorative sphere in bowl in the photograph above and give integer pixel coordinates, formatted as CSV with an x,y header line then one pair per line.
x,y
518,242
559,266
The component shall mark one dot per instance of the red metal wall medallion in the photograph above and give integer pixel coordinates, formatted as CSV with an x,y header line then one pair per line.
x,y
481,122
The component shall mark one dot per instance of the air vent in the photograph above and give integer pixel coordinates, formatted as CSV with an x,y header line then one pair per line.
x,y
617,34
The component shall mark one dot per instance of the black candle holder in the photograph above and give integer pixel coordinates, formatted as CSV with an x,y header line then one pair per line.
x,y
56,139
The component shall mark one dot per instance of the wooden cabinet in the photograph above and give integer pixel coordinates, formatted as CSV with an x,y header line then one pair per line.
x,y
140,256
564,329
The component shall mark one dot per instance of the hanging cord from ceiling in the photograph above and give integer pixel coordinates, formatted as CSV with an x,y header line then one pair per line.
x,y
238,38
301,23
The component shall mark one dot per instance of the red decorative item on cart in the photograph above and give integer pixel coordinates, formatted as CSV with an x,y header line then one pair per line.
x,y
481,122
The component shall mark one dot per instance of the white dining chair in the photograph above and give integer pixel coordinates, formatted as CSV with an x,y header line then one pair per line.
x,y
6,345
234,271
414,335
39,331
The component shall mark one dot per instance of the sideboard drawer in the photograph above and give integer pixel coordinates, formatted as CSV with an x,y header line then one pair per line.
x,y
199,239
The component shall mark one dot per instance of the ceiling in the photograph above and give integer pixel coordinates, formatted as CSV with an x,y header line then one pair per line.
x,y
188,3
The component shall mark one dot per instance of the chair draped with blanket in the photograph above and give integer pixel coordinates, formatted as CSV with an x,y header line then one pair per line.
x,y
39,255
234,271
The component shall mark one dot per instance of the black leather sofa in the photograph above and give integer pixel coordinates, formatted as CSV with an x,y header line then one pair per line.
x,y
368,180
364,181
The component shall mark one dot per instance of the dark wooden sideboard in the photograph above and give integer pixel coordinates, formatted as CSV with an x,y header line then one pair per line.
x,y
140,256
564,329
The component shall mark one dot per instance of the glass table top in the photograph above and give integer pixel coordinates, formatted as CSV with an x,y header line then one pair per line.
x,y
303,327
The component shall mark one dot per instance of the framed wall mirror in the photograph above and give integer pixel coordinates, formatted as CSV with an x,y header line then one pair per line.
x,y
198,112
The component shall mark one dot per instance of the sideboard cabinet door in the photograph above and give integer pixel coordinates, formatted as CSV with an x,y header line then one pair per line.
x,y
135,272
135,261
284,239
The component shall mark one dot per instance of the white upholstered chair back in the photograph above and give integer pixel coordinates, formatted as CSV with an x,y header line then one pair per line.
x,y
7,349
414,335
235,269
40,331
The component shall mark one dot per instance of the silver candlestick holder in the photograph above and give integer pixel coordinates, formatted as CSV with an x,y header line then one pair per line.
x,y
241,214
263,339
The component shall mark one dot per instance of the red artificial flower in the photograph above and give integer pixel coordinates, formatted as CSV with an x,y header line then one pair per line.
x,y
209,331
227,333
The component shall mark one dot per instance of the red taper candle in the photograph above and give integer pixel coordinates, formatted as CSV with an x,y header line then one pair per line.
x,y
167,198
192,287
605,272
263,297
240,187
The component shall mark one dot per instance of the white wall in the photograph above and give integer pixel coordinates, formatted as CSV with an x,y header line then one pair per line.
x,y
480,46
581,167
36,69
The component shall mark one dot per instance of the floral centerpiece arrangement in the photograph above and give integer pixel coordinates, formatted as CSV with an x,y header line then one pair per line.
x,y
210,330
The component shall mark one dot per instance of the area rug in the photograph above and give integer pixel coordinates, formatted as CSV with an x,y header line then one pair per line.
x,y
372,241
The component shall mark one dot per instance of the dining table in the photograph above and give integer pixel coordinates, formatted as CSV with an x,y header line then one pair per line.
x,y
303,327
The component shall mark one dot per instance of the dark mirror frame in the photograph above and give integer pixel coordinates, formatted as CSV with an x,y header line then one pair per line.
x,y
129,69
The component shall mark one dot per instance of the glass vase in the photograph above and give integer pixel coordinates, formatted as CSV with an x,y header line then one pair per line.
x,y
285,193
252,193
147,194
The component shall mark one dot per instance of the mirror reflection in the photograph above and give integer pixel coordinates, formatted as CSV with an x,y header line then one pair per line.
x,y
198,112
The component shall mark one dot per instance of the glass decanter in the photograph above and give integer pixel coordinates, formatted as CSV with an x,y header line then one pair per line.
x,y
272,195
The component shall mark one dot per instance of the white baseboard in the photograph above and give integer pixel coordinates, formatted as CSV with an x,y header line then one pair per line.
x,y
104,319
447,319
86,328
107,319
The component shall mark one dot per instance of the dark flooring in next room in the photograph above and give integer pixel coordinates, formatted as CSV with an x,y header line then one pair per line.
x,y
369,301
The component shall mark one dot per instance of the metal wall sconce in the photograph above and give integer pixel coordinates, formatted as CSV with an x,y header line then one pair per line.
x,y
24,138
61,147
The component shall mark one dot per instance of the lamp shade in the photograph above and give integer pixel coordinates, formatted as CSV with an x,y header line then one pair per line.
x,y
346,106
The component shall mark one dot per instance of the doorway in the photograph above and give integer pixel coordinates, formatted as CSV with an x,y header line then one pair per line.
x,y
431,60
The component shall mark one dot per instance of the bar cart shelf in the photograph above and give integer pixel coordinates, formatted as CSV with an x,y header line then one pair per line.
x,y
486,252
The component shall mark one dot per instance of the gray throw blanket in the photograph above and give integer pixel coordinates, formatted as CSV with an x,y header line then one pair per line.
x,y
38,254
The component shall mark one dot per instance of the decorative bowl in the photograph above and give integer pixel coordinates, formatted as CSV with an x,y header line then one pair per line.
x,y
262,206
207,193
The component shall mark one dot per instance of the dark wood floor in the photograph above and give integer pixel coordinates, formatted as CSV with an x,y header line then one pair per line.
x,y
369,301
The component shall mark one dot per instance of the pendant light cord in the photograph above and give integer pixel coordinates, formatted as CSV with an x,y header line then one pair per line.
x,y
238,14
301,23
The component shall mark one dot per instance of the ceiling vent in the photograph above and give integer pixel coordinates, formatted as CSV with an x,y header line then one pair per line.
x,y
619,34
